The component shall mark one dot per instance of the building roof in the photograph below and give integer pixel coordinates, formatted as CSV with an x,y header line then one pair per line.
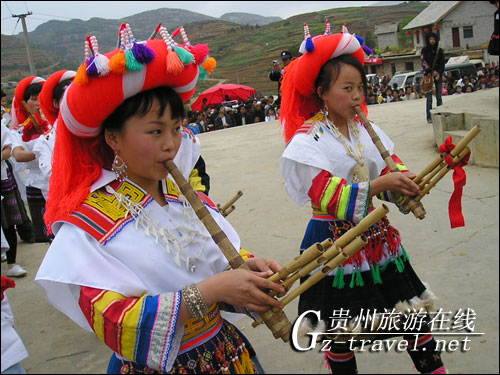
x,y
386,28
434,13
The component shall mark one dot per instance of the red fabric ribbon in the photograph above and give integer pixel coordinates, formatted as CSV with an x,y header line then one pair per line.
x,y
459,180
6,284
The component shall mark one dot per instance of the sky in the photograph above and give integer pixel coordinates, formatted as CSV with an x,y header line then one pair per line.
x,y
44,11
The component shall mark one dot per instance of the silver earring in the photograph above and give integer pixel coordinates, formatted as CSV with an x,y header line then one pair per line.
x,y
119,167
325,108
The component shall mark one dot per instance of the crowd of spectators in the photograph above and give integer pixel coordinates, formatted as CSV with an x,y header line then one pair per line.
x,y
486,77
253,110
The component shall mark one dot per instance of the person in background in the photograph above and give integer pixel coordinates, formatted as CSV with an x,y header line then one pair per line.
x,y
11,214
15,182
271,114
430,53
13,349
50,100
244,117
28,91
223,120
276,73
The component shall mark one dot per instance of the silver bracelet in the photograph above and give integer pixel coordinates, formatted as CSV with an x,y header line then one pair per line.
x,y
194,301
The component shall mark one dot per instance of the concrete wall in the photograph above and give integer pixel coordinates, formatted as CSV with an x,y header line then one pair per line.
x,y
462,114
387,40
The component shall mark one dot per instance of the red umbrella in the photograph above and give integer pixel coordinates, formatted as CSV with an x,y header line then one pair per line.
x,y
217,94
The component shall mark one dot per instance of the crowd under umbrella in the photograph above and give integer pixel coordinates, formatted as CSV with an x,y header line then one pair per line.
x,y
217,94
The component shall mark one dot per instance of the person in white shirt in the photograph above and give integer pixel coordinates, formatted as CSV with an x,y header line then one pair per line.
x,y
271,114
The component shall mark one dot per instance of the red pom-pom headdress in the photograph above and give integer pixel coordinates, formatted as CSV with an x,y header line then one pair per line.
x,y
298,95
97,90
47,94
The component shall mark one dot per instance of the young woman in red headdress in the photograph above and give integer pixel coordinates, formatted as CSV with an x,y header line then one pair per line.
x,y
28,126
130,260
331,162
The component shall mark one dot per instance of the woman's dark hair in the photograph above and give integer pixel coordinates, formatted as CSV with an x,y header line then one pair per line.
x,y
60,88
32,90
141,103
3,94
330,71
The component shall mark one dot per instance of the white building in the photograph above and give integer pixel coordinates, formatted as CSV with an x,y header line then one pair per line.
x,y
459,24
463,27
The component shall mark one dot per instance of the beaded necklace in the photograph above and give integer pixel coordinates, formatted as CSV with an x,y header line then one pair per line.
x,y
360,172
187,235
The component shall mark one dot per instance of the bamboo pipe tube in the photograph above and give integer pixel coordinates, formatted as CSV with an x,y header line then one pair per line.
x,y
355,245
231,201
348,251
455,160
427,184
336,249
31,116
417,208
443,172
228,211
341,242
457,150
278,323
307,256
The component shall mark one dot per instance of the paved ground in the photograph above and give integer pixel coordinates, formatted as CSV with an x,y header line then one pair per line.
x,y
461,265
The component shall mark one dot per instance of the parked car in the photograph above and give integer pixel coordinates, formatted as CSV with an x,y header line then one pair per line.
x,y
401,80
459,70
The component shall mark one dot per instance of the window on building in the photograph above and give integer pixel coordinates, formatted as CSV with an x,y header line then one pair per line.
x,y
409,66
418,36
468,32
393,68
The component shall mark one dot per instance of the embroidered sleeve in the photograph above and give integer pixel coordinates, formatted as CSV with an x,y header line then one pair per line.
x,y
332,195
139,329
388,195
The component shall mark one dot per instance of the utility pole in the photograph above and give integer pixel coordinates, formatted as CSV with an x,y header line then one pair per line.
x,y
26,40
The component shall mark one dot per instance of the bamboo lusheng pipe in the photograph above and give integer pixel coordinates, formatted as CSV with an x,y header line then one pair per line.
x,y
335,249
231,201
228,211
277,322
354,246
431,179
416,207
440,174
308,255
32,117
457,150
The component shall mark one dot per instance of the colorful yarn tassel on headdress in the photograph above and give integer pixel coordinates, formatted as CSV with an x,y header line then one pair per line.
x,y
200,53
118,63
209,64
183,53
307,45
174,63
98,64
81,74
141,52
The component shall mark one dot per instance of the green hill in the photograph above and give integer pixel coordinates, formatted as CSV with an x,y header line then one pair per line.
x,y
243,52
